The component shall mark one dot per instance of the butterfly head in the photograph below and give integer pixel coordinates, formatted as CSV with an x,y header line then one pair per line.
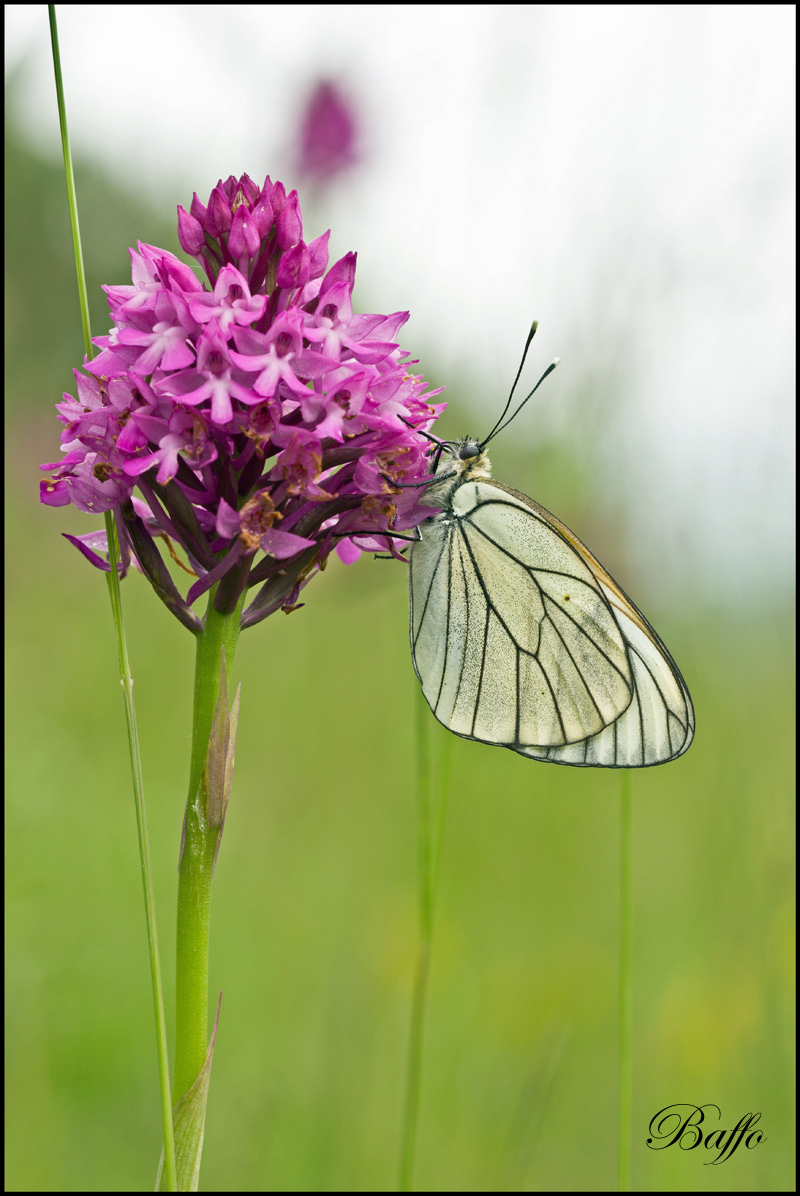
x,y
458,461
468,460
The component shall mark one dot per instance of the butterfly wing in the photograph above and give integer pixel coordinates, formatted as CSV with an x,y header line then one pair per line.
x,y
512,636
520,638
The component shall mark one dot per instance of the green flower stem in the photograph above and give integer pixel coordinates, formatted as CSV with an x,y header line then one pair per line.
x,y
197,861
625,981
170,1173
432,797
408,1138
170,1176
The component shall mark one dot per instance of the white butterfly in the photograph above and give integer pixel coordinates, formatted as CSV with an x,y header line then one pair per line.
x,y
522,639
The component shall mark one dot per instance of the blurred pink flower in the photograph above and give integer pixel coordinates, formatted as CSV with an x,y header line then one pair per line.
x,y
328,134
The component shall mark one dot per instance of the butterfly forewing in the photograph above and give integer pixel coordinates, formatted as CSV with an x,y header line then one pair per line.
x,y
508,653
521,638
554,608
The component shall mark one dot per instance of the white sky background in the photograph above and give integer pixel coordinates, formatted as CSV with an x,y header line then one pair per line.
x,y
623,174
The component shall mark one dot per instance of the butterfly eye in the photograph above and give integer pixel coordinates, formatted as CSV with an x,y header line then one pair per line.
x,y
469,450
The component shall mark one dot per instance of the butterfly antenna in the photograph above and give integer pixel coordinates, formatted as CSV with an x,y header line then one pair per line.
x,y
531,335
433,439
496,429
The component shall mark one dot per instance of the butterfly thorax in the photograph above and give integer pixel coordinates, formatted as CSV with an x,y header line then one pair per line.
x,y
460,461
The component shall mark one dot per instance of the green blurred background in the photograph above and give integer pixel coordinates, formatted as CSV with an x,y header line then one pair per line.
x,y
314,919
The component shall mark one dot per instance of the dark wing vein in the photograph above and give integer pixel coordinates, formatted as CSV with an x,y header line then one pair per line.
x,y
434,571
448,590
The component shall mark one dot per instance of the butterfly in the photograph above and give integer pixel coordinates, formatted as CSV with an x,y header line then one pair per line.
x,y
519,636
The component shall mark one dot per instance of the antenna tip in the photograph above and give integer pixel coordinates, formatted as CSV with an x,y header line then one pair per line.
x,y
555,362
534,326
